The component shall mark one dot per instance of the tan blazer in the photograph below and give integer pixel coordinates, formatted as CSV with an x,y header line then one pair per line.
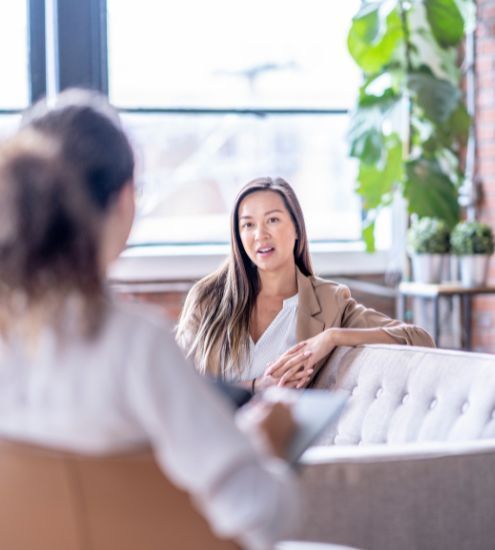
x,y
322,304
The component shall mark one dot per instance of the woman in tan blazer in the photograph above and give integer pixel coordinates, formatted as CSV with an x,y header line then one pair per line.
x,y
264,318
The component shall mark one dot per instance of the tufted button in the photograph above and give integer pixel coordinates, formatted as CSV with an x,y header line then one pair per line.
x,y
405,398
433,403
354,390
465,407
379,392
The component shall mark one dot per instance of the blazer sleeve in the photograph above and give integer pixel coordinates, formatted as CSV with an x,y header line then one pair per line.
x,y
355,315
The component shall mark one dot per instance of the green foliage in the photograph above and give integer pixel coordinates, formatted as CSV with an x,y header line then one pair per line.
x,y
374,36
437,98
429,192
429,236
418,157
472,238
446,21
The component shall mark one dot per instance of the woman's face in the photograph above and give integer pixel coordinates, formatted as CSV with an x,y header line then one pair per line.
x,y
267,231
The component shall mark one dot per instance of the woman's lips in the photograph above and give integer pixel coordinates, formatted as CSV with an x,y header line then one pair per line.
x,y
265,251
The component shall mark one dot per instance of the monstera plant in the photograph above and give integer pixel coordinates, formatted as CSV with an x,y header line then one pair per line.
x,y
410,123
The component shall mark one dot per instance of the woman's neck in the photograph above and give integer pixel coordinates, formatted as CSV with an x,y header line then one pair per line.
x,y
280,284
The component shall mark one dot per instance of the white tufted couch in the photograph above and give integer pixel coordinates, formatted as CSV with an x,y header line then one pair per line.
x,y
411,462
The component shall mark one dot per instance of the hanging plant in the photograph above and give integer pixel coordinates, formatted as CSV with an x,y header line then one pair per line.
x,y
410,122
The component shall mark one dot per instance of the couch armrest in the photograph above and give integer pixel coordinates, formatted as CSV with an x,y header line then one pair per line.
x,y
416,496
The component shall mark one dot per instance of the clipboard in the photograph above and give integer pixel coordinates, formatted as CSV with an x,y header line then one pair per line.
x,y
313,410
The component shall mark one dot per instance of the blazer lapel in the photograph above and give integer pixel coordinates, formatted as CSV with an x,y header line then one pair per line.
x,y
308,307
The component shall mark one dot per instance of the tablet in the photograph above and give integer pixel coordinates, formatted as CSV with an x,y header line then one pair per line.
x,y
236,395
314,410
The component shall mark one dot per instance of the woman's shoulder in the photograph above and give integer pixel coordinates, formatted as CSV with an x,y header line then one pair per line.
x,y
330,295
327,287
323,297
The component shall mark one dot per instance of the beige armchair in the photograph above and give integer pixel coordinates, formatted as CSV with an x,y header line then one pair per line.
x,y
52,500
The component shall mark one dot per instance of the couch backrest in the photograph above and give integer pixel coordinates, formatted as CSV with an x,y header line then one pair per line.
x,y
57,501
402,394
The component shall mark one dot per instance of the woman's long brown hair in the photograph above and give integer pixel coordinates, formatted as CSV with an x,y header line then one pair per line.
x,y
49,233
225,299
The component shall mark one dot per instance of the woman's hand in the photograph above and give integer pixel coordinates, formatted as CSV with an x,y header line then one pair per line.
x,y
293,356
271,425
294,370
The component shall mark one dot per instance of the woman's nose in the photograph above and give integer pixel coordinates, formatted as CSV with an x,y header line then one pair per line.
x,y
261,231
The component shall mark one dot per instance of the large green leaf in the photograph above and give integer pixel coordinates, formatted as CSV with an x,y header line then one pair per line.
x,y
365,133
438,98
375,184
368,147
452,133
373,37
367,24
459,124
446,21
389,80
444,62
430,192
383,101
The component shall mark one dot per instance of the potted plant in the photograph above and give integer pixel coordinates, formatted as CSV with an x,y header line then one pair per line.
x,y
410,122
428,243
473,243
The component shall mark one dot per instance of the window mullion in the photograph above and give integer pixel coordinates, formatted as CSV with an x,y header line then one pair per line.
x,y
36,48
82,44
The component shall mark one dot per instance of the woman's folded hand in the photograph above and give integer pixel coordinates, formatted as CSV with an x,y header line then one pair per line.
x,y
295,367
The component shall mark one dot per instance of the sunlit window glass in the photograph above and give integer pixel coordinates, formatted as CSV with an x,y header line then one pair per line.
x,y
9,123
234,55
13,54
191,167
224,53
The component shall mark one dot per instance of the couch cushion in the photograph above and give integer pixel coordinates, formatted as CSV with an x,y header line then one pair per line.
x,y
428,496
402,394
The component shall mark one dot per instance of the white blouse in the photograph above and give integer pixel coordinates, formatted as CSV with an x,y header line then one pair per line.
x,y
278,337
131,385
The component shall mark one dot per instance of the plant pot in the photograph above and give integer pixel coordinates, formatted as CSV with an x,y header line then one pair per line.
x,y
474,269
428,268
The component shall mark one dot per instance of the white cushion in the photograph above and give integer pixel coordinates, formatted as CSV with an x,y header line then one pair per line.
x,y
401,394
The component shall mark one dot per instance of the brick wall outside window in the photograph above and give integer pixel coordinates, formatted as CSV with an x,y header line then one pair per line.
x,y
484,307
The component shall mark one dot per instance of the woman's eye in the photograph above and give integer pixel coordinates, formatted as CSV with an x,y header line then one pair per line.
x,y
246,225
273,220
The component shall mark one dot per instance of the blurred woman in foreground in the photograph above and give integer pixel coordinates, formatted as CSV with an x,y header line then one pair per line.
x,y
80,371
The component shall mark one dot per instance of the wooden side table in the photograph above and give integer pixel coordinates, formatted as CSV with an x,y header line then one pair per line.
x,y
434,293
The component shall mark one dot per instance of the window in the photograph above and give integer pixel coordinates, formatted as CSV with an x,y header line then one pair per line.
x,y
14,55
217,93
